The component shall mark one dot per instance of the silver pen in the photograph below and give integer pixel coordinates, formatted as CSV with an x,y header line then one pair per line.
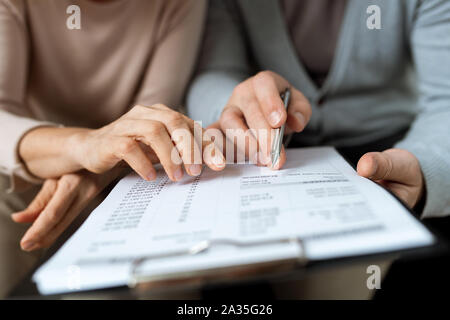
x,y
277,141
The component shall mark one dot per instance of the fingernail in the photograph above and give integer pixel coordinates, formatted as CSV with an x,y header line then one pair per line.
x,y
274,118
300,118
219,161
28,245
196,169
178,175
151,176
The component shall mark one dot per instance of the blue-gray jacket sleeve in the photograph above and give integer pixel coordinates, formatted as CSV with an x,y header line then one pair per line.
x,y
223,63
429,136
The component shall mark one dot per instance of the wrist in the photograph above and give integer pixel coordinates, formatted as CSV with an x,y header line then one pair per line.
x,y
25,147
77,147
49,152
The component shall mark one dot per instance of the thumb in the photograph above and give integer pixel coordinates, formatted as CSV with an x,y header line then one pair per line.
x,y
392,165
37,205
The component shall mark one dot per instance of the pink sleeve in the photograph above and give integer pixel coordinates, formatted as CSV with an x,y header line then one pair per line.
x,y
173,62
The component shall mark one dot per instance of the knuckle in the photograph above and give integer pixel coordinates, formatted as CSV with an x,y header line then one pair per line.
x,y
160,106
96,169
50,183
75,178
240,90
140,107
156,129
125,146
175,119
263,75
49,187
53,216
121,125
69,182
137,109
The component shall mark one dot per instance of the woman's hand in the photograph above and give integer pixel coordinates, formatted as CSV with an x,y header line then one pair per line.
x,y
396,169
57,204
255,104
144,134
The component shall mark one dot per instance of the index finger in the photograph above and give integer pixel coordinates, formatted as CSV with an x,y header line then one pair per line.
x,y
211,142
267,87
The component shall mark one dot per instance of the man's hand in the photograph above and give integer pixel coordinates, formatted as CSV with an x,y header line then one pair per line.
x,y
396,169
57,204
256,104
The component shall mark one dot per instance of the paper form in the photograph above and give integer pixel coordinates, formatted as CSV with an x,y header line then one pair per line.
x,y
316,197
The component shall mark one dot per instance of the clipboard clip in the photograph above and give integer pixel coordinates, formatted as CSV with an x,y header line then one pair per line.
x,y
141,281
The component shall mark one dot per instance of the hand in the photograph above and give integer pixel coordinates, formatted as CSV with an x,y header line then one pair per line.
x,y
396,169
256,104
145,135
57,204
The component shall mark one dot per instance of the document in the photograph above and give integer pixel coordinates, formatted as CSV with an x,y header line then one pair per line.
x,y
244,214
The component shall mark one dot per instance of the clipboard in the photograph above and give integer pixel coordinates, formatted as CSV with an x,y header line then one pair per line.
x,y
141,283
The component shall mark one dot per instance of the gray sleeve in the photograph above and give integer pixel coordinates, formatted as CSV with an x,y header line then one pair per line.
x,y
429,136
223,63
